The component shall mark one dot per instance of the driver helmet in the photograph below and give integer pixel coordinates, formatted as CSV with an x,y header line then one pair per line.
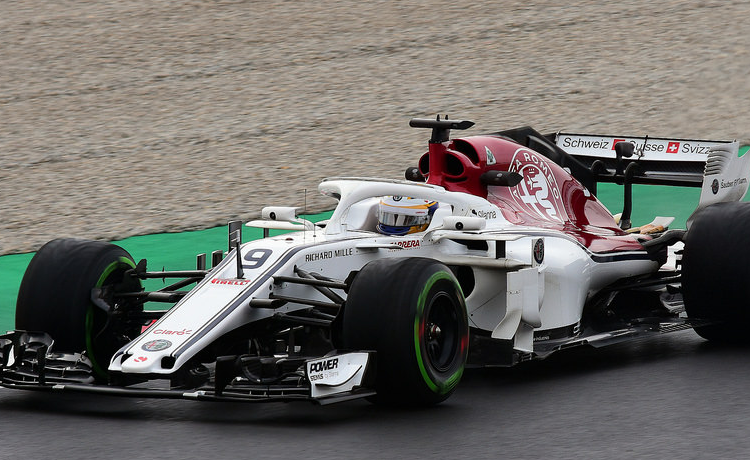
x,y
398,215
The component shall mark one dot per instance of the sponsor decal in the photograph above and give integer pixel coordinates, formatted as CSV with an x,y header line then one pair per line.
x,y
411,244
539,251
169,332
715,186
323,255
558,333
649,147
732,183
324,365
604,144
538,192
233,282
397,198
140,359
588,143
485,214
156,345
693,148
490,156
323,369
599,145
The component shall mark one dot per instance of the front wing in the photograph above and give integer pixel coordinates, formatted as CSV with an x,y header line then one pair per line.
x,y
27,361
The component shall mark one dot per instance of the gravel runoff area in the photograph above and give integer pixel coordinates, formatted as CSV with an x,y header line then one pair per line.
x,y
129,117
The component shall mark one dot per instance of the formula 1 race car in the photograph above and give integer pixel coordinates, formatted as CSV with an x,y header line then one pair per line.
x,y
494,250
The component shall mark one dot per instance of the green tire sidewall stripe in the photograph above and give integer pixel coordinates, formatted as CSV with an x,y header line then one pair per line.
x,y
437,387
90,312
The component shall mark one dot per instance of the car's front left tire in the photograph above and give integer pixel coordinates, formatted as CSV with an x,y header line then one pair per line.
x,y
412,313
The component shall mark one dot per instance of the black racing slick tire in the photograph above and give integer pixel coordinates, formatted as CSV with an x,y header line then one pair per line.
x,y
55,296
412,313
715,269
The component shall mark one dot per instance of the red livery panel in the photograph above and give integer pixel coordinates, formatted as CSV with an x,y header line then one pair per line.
x,y
548,196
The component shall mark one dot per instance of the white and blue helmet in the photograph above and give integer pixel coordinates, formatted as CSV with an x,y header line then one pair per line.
x,y
399,215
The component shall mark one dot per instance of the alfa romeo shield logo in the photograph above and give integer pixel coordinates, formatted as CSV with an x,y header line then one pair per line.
x,y
156,345
538,193
715,186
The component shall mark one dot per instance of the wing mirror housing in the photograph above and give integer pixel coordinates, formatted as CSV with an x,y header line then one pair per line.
x,y
501,178
463,223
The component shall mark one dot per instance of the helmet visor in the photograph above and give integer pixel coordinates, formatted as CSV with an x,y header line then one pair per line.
x,y
394,219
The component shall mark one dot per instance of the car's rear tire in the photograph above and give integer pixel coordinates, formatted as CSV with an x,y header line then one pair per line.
x,y
55,296
715,270
412,313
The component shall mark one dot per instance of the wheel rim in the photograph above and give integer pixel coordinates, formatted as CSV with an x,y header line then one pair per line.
x,y
441,334
96,319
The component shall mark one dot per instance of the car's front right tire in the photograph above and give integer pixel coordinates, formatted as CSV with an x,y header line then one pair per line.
x,y
55,297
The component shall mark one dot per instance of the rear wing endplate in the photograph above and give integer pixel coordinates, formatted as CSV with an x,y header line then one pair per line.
x,y
726,176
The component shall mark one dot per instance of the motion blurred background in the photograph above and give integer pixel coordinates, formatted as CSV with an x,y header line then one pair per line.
x,y
131,117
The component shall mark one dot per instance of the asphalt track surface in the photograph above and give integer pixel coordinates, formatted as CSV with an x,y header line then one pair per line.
x,y
674,396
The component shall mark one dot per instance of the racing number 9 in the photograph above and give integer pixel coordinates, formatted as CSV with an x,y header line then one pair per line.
x,y
256,258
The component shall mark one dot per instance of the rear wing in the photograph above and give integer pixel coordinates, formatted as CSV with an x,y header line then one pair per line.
x,y
593,159
662,161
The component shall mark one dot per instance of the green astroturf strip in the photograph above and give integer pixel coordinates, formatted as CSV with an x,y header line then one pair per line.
x,y
11,272
650,201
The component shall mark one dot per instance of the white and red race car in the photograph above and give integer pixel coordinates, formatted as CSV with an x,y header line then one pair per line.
x,y
495,250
